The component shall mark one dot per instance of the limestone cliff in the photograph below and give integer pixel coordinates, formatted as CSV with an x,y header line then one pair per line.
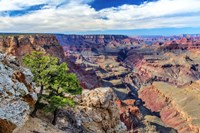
x,y
20,44
16,94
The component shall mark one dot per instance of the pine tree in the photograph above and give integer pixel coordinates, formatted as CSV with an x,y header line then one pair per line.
x,y
54,81
61,82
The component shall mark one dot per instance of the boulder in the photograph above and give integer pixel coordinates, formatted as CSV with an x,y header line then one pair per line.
x,y
97,112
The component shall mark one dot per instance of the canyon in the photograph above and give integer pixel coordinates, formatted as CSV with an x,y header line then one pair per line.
x,y
22,44
129,64
131,84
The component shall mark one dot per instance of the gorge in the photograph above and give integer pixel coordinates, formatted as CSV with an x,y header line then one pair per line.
x,y
131,84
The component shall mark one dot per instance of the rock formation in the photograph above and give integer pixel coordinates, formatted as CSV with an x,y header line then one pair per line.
x,y
20,44
96,112
178,67
17,94
138,119
36,125
178,107
129,114
87,78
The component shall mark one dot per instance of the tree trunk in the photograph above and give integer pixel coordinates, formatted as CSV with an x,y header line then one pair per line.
x,y
54,117
33,114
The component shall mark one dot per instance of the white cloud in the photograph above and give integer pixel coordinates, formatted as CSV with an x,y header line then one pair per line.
x,y
77,15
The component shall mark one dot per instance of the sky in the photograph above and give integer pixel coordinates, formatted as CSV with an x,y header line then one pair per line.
x,y
130,17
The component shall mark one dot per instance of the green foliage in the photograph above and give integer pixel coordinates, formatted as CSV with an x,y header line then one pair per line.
x,y
61,82
57,102
39,64
55,78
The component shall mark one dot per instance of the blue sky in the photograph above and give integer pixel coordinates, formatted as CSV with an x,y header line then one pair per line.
x,y
131,17
101,4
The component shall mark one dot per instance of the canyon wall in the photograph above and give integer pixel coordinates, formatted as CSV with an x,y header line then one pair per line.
x,y
95,43
21,44
88,39
178,107
152,64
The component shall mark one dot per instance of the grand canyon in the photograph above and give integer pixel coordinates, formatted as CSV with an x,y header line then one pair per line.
x,y
99,66
130,83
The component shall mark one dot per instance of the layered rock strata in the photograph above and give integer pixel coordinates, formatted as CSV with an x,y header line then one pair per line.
x,y
178,107
21,44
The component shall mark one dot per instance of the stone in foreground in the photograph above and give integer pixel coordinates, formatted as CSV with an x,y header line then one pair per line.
x,y
97,112
16,94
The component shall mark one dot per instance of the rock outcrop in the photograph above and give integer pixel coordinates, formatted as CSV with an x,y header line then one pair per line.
x,y
138,119
20,44
36,125
16,94
129,114
96,112
178,107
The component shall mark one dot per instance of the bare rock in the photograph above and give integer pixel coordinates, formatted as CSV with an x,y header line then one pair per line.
x,y
178,106
97,112
16,94
21,44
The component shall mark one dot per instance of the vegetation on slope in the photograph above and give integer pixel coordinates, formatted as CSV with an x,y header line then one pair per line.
x,y
54,81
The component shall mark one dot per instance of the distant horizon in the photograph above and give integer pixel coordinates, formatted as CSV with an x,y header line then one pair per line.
x,y
149,32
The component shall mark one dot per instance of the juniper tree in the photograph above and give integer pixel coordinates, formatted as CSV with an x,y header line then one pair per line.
x,y
54,79
61,82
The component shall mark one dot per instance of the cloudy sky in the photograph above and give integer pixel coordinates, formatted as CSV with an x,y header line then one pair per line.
x,y
100,16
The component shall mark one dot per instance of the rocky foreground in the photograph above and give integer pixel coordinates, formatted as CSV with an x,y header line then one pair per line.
x,y
96,111
17,94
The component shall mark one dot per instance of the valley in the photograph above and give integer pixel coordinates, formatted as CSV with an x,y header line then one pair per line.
x,y
130,84
129,64
99,66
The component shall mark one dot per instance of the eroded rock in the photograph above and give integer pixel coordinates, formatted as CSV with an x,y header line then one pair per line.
x,y
15,86
178,107
97,112
21,44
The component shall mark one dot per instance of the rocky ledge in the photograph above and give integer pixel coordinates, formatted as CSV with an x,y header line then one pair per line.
x,y
97,112
178,106
16,94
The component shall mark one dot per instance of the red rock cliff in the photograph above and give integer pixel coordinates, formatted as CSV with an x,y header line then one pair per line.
x,y
178,107
20,44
